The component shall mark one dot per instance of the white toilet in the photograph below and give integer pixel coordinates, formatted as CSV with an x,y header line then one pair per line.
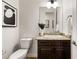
x,y
21,53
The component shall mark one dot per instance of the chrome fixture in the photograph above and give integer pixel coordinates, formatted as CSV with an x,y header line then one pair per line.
x,y
52,3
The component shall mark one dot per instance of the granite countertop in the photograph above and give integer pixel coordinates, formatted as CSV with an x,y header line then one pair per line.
x,y
52,37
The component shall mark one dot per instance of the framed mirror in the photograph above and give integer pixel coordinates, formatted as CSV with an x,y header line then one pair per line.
x,y
48,17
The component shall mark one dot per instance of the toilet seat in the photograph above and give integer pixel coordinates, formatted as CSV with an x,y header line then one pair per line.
x,y
19,54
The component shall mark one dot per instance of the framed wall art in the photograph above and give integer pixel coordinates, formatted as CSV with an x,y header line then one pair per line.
x,y
9,15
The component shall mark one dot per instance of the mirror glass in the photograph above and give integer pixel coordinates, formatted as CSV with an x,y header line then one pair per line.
x,y
48,17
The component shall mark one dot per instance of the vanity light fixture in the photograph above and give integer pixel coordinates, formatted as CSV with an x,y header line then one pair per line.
x,y
52,3
48,5
55,4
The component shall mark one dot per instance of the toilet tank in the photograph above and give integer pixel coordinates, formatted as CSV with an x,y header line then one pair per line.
x,y
26,43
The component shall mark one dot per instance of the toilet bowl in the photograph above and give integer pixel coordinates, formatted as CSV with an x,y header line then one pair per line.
x,y
19,54
22,53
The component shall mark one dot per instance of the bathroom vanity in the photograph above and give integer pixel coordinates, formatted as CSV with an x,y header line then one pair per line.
x,y
54,47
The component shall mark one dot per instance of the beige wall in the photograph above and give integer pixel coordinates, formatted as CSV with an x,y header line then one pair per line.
x,y
10,37
29,16
67,10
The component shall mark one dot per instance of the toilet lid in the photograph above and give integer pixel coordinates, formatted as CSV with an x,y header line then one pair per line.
x,y
19,54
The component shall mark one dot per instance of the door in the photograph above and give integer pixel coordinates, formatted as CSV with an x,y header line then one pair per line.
x,y
74,32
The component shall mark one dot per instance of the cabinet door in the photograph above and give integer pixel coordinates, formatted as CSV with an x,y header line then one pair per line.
x,y
44,53
67,49
44,49
59,49
62,49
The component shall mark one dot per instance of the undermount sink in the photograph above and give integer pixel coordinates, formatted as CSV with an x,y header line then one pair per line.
x,y
53,37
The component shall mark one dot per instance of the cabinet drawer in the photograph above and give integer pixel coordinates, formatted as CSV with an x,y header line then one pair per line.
x,y
45,49
44,43
65,43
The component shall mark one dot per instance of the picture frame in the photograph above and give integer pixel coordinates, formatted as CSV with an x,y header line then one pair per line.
x,y
9,15
52,23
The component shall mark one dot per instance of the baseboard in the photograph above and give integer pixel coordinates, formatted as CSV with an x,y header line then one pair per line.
x,y
31,57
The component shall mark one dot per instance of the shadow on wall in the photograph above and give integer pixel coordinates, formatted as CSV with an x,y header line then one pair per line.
x,y
17,46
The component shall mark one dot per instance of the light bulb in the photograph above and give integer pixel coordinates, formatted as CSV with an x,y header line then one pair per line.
x,y
48,5
55,4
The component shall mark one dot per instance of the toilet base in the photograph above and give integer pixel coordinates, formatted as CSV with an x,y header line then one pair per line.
x,y
19,54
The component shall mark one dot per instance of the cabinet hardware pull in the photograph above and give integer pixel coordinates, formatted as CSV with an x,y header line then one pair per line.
x,y
45,49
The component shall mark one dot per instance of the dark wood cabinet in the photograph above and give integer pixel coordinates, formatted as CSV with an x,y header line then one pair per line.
x,y
54,49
